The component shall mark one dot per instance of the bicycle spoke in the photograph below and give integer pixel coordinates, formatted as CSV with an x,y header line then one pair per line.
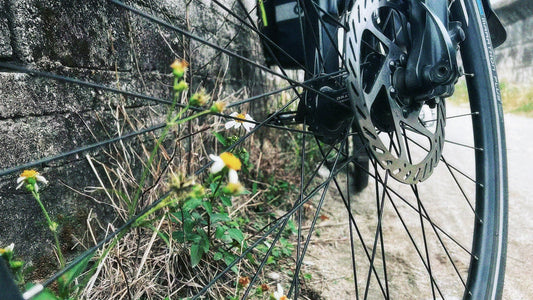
x,y
379,232
463,145
83,83
261,35
221,49
44,161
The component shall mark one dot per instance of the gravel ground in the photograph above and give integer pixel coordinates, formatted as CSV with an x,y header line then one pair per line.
x,y
329,259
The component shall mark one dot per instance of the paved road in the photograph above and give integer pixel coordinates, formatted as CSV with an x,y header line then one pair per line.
x,y
518,283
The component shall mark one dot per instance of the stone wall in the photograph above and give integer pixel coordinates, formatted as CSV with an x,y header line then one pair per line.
x,y
99,42
515,57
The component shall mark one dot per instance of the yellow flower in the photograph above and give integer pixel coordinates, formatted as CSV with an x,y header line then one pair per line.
x,y
234,188
179,67
7,249
218,106
31,177
228,160
199,99
240,120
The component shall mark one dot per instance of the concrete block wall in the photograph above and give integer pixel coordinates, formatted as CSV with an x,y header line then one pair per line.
x,y
515,57
99,42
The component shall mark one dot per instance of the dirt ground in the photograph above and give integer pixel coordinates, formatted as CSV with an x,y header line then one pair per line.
x,y
329,262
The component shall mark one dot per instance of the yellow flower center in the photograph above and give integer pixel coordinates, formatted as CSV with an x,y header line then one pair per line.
x,y
231,161
2,251
234,188
283,298
240,116
29,174
218,106
180,65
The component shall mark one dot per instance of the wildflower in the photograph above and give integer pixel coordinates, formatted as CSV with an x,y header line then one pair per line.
x,y
218,107
264,287
180,86
30,178
234,188
53,226
240,120
7,250
225,159
179,182
199,98
228,160
179,67
244,281
278,295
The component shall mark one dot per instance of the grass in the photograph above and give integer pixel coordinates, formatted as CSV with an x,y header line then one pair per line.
x,y
516,98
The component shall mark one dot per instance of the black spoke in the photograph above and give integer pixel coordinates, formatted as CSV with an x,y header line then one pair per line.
x,y
402,198
464,145
98,145
379,232
354,223
349,208
83,83
261,35
426,247
295,280
318,210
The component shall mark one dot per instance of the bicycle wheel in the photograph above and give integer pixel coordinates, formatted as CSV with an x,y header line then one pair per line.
x,y
402,241
423,144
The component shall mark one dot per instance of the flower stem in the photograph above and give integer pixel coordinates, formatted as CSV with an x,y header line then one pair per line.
x,y
171,121
53,228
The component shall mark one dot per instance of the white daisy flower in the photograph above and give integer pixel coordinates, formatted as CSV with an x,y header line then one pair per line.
x,y
228,160
278,295
7,249
242,121
31,177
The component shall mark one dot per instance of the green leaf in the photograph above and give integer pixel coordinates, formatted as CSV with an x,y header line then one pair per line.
x,y
192,204
228,259
204,241
195,238
196,254
226,200
217,256
221,138
178,236
188,226
221,217
65,280
46,295
236,234
208,207
220,231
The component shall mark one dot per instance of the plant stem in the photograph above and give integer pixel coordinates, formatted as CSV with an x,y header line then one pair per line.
x,y
51,226
170,122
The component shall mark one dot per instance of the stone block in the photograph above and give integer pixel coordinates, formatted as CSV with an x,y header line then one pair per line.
x,y
5,35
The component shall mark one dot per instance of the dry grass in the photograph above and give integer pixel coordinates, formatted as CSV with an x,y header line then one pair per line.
x,y
516,98
142,265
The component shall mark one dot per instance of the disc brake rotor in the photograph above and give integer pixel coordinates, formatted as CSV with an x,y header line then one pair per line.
x,y
401,139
